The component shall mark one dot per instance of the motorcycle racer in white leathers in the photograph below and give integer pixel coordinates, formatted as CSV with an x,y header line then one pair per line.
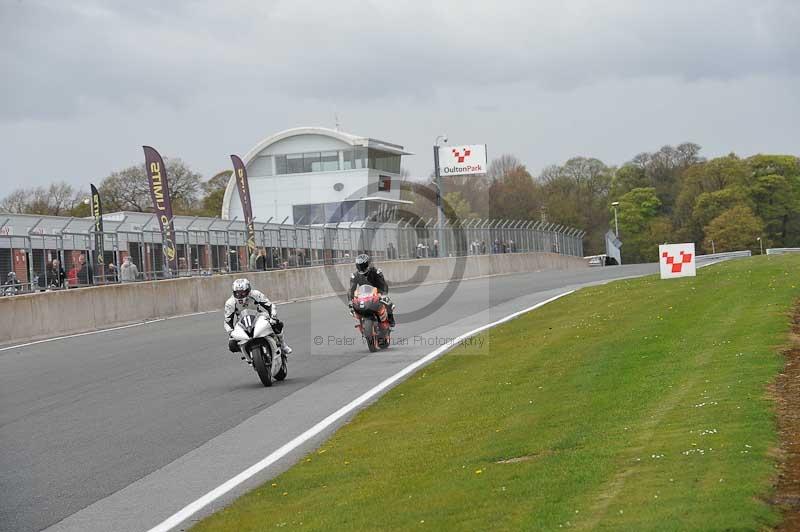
x,y
244,298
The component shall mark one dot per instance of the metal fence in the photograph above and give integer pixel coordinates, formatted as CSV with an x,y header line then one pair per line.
x,y
782,251
56,253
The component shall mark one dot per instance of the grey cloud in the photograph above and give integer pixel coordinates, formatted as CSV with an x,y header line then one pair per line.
x,y
61,58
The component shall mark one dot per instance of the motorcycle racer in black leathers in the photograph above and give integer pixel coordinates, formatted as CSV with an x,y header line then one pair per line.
x,y
367,274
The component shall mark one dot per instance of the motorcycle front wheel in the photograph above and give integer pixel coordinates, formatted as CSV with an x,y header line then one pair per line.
x,y
371,335
262,364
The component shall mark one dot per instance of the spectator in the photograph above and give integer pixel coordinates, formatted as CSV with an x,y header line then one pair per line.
x,y
12,285
111,275
261,260
483,247
420,250
56,277
435,248
391,252
83,274
128,272
512,247
252,262
497,247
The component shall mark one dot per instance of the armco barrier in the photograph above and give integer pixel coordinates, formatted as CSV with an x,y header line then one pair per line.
x,y
47,314
723,256
781,251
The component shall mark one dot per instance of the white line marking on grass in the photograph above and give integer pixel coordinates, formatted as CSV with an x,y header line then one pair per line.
x,y
194,507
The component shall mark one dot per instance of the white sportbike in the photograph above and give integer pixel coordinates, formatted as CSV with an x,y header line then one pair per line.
x,y
260,346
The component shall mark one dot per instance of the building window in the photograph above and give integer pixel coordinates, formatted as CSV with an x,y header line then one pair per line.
x,y
383,161
330,161
352,211
354,159
333,213
312,162
280,165
300,213
347,159
361,158
294,163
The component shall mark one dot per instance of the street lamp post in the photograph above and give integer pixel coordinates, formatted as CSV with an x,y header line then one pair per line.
x,y
439,213
616,223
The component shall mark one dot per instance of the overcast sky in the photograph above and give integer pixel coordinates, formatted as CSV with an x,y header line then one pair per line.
x,y
86,83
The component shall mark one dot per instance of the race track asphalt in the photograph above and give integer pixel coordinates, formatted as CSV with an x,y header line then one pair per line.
x,y
118,430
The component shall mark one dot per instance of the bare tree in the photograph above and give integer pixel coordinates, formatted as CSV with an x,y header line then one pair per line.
x,y
504,165
56,200
16,202
62,198
128,189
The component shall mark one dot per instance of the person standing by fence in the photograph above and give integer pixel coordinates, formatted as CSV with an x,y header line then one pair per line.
x,y
128,272
56,277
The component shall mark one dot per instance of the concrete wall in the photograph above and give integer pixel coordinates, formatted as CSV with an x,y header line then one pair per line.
x,y
44,315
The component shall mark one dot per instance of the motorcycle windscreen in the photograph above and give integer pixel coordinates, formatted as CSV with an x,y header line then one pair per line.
x,y
262,327
365,290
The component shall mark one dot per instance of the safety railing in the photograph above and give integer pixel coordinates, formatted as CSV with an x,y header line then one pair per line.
x,y
781,251
723,256
67,254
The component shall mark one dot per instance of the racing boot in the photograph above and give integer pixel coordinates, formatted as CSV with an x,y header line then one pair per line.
x,y
285,347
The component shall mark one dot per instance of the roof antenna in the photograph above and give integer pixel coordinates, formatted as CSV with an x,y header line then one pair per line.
x,y
336,120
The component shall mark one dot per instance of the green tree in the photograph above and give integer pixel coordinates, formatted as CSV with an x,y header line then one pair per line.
x,y
707,177
456,208
785,165
736,229
626,178
577,194
515,196
664,169
213,194
775,201
640,226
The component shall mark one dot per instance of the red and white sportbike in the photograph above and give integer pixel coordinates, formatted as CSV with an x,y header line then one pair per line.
x,y
372,317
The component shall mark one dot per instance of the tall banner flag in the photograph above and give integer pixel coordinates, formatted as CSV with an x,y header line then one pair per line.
x,y
244,196
159,191
97,213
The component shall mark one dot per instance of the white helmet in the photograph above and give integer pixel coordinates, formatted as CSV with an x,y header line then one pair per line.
x,y
241,289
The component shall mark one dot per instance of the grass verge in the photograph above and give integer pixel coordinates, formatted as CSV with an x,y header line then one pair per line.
x,y
638,405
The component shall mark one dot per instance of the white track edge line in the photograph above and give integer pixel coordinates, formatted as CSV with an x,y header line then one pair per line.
x,y
87,333
194,507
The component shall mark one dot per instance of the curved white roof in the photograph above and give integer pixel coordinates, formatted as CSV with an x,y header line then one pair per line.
x,y
347,138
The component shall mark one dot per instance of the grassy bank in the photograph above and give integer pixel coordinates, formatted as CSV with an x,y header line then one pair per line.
x,y
639,405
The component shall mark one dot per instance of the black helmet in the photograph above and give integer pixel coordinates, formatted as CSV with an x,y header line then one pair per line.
x,y
362,262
